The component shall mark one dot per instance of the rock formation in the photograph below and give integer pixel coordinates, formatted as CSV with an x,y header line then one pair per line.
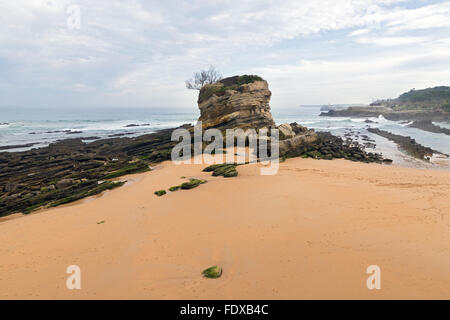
x,y
71,169
296,140
429,126
236,102
243,102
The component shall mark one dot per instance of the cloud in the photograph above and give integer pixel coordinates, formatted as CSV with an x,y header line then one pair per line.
x,y
392,41
138,53
360,80
427,17
359,32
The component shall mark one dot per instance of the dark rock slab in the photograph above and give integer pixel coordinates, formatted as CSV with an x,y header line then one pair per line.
x,y
370,112
17,146
137,125
427,125
408,144
71,169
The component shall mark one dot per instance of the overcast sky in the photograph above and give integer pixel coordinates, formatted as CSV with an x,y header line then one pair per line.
x,y
132,53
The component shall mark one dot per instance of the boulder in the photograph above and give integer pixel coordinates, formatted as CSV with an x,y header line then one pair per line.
x,y
285,131
298,129
297,141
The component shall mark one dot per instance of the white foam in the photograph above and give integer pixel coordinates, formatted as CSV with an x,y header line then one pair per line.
x,y
406,124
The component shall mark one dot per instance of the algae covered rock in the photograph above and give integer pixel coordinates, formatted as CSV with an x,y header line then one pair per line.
x,y
160,193
223,169
192,183
212,272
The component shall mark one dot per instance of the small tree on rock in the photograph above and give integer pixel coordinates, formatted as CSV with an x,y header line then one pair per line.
x,y
203,77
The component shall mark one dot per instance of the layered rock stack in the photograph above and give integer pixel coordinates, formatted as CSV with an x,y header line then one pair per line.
x,y
243,102
236,102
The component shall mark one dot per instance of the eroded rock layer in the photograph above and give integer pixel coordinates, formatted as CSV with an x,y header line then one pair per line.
x,y
236,102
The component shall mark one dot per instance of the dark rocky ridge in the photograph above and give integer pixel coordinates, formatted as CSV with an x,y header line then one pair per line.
x,y
429,126
71,169
407,143
17,146
328,147
137,125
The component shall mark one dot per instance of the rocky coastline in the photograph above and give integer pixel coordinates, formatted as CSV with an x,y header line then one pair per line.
x,y
72,169
432,104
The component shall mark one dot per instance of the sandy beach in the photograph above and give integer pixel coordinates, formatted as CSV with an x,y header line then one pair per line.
x,y
308,232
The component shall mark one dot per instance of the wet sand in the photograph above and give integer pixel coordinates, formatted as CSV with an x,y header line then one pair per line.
x,y
309,232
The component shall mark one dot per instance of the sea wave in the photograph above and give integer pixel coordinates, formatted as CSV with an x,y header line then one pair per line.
x,y
406,124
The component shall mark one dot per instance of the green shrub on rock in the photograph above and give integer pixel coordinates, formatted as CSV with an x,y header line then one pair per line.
x,y
220,88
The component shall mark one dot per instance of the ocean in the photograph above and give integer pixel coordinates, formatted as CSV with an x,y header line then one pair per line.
x,y
41,127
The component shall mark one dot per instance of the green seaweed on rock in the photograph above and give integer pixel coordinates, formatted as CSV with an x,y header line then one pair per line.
x,y
160,193
212,272
192,183
224,169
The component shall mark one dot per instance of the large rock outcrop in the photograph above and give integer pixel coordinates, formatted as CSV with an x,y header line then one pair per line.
x,y
292,136
236,102
71,169
243,102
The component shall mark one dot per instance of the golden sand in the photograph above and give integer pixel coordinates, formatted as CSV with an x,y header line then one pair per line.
x,y
308,232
